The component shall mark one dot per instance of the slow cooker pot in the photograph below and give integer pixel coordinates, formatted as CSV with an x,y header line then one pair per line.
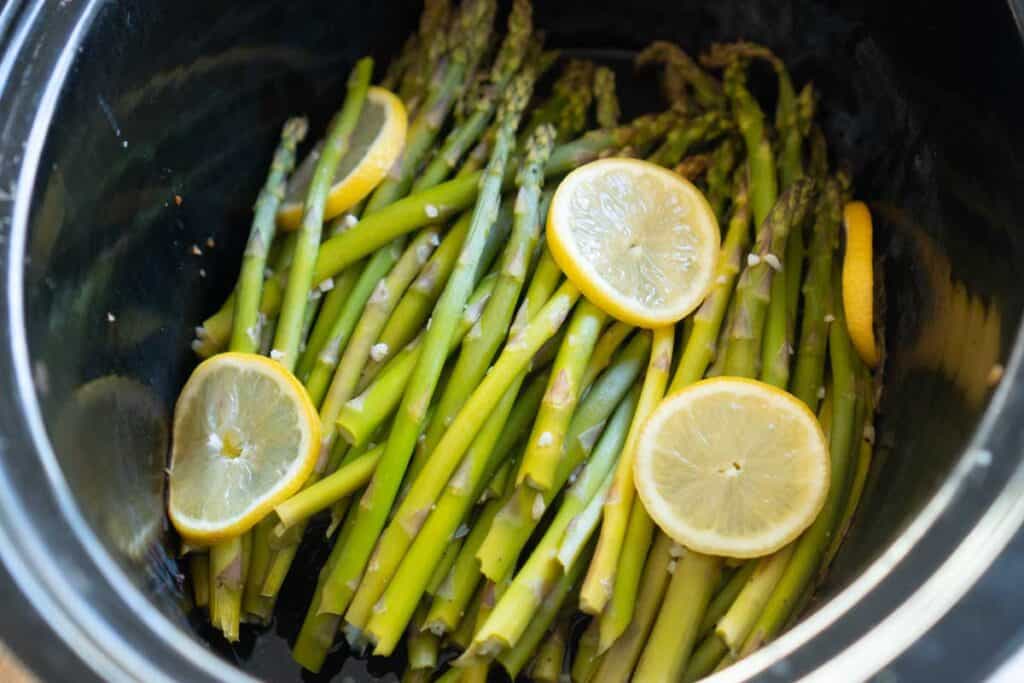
x,y
132,131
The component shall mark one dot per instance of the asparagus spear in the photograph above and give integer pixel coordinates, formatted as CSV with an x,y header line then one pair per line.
x,y
547,663
400,66
300,277
618,661
521,512
360,418
424,646
598,586
432,45
485,338
465,486
608,109
345,481
586,662
684,137
707,90
604,351
720,176
544,448
524,596
409,420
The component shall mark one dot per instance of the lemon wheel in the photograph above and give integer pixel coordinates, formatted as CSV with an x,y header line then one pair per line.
x,y
732,467
638,240
246,437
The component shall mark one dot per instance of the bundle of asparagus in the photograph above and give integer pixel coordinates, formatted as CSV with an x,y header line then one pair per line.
x,y
479,418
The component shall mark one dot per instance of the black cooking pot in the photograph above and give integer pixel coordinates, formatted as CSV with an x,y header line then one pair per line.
x,y
133,131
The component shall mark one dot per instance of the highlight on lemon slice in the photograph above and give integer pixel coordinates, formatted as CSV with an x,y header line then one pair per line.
x,y
246,437
732,467
638,240
375,146
859,281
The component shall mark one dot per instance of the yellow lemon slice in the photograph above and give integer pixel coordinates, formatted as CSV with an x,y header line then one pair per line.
x,y
375,146
638,240
246,437
859,281
732,467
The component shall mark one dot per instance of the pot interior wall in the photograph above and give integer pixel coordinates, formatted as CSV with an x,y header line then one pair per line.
x,y
168,119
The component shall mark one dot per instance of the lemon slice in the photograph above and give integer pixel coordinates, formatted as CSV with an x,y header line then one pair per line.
x,y
732,467
375,146
859,281
246,437
638,240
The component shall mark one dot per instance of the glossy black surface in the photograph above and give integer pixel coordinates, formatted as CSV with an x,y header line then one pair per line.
x,y
183,100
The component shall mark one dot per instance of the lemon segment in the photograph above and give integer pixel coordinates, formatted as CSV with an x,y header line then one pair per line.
x,y
859,281
374,147
246,437
639,241
732,467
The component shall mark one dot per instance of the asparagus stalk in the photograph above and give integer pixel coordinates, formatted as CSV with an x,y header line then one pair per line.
x,y
725,597
587,661
345,481
413,511
609,342
618,661
600,582
400,66
423,645
635,546
544,449
409,580
409,420
754,287
516,657
432,43
720,175
608,110
245,331
516,609
694,166
668,648
485,338
362,416
683,138
521,511
300,277
547,663
707,90
341,289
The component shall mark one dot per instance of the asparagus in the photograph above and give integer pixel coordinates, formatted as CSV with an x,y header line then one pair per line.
x,y
520,510
423,645
608,109
598,586
668,647
587,661
409,420
754,287
321,495
707,90
516,657
464,488
414,509
245,332
300,277
432,44
528,589
720,176
725,597
399,66
485,338
544,448
635,546
342,289
547,663
683,138
360,418
693,166
610,341
618,661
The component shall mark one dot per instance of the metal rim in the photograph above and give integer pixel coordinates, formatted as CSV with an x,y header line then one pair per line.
x,y
858,650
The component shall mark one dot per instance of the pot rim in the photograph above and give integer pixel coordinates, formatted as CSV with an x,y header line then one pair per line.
x,y
886,610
